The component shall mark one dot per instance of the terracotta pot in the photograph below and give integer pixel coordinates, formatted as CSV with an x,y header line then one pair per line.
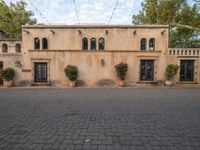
x,y
168,83
72,83
121,83
7,83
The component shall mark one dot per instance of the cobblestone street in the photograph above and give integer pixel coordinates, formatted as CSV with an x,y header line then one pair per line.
x,y
100,119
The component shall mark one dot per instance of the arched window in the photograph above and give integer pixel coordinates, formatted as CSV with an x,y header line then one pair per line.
x,y
4,48
36,43
152,44
18,48
44,43
85,44
101,44
143,44
93,44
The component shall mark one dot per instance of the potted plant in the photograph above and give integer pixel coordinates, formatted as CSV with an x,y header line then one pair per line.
x,y
171,71
72,73
8,75
121,70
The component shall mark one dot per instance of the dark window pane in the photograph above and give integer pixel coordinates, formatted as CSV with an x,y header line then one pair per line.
x,y
152,44
18,48
85,44
44,43
143,43
36,43
4,48
101,44
93,44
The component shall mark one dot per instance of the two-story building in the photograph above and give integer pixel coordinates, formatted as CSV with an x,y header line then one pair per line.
x,y
95,50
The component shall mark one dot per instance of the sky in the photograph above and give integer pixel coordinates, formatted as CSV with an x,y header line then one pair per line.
x,y
89,11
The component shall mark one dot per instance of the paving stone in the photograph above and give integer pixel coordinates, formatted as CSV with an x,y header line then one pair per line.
x,y
99,119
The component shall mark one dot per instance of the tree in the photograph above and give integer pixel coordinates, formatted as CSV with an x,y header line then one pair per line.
x,y
182,18
12,17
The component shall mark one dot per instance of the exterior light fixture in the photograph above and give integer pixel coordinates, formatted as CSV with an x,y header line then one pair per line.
x,y
102,62
163,31
52,31
79,31
135,32
106,32
26,31
18,64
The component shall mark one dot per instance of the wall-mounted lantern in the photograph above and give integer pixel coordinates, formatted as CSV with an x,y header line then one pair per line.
x,y
163,31
18,64
106,32
26,31
79,31
52,31
102,62
135,32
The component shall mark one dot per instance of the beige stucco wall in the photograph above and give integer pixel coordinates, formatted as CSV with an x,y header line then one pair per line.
x,y
9,61
116,38
90,68
11,57
178,54
11,45
122,43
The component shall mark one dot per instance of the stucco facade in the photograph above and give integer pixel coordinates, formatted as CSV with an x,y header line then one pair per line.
x,y
64,45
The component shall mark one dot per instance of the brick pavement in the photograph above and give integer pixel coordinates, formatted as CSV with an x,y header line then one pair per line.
x,y
100,119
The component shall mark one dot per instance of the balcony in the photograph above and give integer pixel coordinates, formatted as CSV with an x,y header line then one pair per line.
x,y
184,51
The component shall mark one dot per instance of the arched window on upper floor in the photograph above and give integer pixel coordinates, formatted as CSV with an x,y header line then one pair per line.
x,y
93,44
18,48
152,44
44,43
36,43
84,44
143,44
4,48
101,44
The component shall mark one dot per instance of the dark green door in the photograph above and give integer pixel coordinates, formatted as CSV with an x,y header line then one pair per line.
x,y
187,70
41,72
147,70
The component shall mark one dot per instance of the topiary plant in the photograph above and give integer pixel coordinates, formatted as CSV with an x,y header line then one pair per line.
x,y
8,74
121,70
71,72
171,70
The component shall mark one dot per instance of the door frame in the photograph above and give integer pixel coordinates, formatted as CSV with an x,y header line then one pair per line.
x,y
1,79
41,64
153,70
33,70
193,71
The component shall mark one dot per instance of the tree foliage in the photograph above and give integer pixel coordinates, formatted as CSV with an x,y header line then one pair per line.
x,y
184,20
13,16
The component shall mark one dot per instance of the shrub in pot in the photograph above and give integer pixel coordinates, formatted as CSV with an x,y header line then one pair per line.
x,y
8,75
121,70
72,73
171,71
